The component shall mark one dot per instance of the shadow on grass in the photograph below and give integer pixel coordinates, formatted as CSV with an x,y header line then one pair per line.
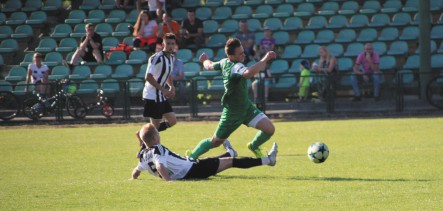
x,y
251,177
339,179
291,155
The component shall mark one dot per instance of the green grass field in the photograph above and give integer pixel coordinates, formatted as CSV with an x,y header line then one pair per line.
x,y
385,164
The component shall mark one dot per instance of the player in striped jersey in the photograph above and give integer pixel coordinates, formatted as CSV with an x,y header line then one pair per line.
x,y
162,162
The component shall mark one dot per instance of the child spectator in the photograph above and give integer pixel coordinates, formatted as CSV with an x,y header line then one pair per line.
x,y
267,43
304,81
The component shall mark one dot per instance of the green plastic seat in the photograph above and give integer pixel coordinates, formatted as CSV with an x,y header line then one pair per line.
x,y
345,64
20,88
37,17
324,36
53,59
121,30
89,4
304,10
409,33
273,23
367,35
263,11
354,49
254,25
233,3
416,19
129,41
79,31
336,49
61,31
310,51
191,69
5,32
107,5
387,63
388,34
137,57
210,26
210,73
222,13
136,86
217,84
201,83
132,17
110,87
258,37
95,16
80,72
295,66
242,12
16,18
46,45
32,5
23,32
52,5
67,45
58,73
286,81
407,76
349,8
184,54
437,32
11,6
76,17
253,2
2,18
292,23
191,3
216,41
434,47
27,59
358,21
411,6
86,87
123,72
392,6
380,20
437,61
101,72
370,7
214,3
16,74
305,37
283,11
380,47
5,86
109,42
104,29
116,58
70,55
291,52
142,72
337,22
179,14
281,37
228,26
401,19
436,6
278,67
208,52
317,22
8,46
116,16
412,62
203,13
220,54
328,9
346,36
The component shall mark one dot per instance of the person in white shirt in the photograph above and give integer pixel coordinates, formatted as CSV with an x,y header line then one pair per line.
x,y
161,162
145,31
156,7
38,75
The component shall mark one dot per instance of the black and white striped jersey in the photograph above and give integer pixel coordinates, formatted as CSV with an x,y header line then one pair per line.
x,y
160,66
176,165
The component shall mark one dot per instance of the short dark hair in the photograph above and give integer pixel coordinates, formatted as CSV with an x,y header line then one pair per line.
x,y
90,25
169,36
231,45
192,10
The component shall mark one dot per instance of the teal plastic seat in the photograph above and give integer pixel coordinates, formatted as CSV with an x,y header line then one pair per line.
x,y
392,6
16,18
380,20
142,72
305,37
437,32
345,64
52,5
67,45
86,87
191,69
286,81
329,8
336,49
354,49
61,31
254,25
107,5
89,4
292,23
201,83
132,17
116,16
310,51
5,86
2,18
20,88
123,72
214,3
233,3
416,19
46,45
210,73
136,86
104,29
79,31
281,37
278,67
80,73
324,36
217,84
317,22
53,59
58,73
411,6
191,3
23,32
434,47
208,52
137,57
2,62
210,26
346,36
291,52
387,63
220,54
70,55
121,30
8,46
437,61
203,13
337,22
116,58
349,8
5,32
436,6
101,72
388,34
129,41
228,26
367,35
11,6
95,16
222,13
16,74
184,54
253,2
401,19
75,17
27,59
109,42
412,62
370,7
37,17
179,14
358,21
380,47
407,76
283,11
409,33
32,5
110,87
263,11
216,41
295,66
242,12
304,10
258,37
273,23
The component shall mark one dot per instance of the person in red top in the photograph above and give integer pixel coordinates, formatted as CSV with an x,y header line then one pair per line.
x,y
169,26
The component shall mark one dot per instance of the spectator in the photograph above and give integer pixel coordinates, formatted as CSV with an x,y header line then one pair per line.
x,y
38,75
169,26
119,5
267,43
247,39
192,31
179,80
325,71
91,48
368,60
264,75
156,7
304,81
145,31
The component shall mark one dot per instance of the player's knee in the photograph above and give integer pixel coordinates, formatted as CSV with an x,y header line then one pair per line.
x,y
216,142
269,130
172,122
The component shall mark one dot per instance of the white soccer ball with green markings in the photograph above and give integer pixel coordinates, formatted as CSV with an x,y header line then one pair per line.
x,y
318,152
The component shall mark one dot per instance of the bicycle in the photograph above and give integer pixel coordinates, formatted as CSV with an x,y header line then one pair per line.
x,y
106,108
9,105
37,107
434,92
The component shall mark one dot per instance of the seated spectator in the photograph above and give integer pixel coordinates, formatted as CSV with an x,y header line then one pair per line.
x,y
91,48
38,75
179,79
368,60
264,75
145,31
192,31
247,40
305,81
325,72
119,5
168,26
266,44
156,7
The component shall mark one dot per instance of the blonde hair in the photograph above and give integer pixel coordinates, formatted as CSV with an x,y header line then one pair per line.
x,y
147,133
325,58
138,23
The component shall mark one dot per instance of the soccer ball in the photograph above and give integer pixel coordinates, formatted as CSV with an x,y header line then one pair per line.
x,y
318,152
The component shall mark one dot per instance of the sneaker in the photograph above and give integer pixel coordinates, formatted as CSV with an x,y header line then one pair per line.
x,y
188,153
356,99
230,149
257,152
272,155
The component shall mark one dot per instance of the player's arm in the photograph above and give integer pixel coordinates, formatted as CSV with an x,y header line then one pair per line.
x,y
261,65
163,172
171,86
207,64
135,173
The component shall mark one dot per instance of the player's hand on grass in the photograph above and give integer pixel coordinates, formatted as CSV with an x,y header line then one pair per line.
x,y
203,57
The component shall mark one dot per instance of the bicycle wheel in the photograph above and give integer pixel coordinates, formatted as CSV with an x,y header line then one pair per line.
x,y
33,108
9,105
107,110
75,107
434,92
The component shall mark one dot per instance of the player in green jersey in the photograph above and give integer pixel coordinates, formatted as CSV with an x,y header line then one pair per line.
x,y
237,108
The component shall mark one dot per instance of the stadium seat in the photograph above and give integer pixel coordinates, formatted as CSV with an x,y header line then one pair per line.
x,y
58,73
110,87
358,21
79,31
11,6
336,49
316,22
80,72
411,6
123,72
89,4
294,1
203,13
328,9
286,81
416,19
208,52
254,25
304,10
5,32
324,36
228,26
380,20
210,26
191,3
295,66
214,3
2,62
137,57
129,41
136,86
398,48
16,18
437,61
278,2
310,51
23,32
412,62
201,83
16,74
109,42
104,29
258,37
116,58
222,13
184,54
409,33
281,37
434,47
253,2
273,23
407,76
291,52
349,8
242,12
107,5
292,23
305,37
278,67
263,11
27,59
346,36
133,15
345,64
387,63
95,16
5,86
367,35
53,59
354,49
209,73
178,14
220,54
142,72
380,48
216,41
337,22
217,84
37,17
436,6
440,20
69,57
388,34
392,6
191,69
20,88
52,5
8,46
401,19
32,5
61,31
283,11
116,16
370,7
121,30
46,45
2,18
88,86
437,32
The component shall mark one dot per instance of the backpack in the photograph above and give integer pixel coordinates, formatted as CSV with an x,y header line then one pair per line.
x,y
120,47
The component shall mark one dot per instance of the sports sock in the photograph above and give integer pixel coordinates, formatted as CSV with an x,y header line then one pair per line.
x,y
225,155
202,147
163,126
259,139
245,163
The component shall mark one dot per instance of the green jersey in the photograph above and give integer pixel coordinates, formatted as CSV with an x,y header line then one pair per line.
x,y
235,97
305,73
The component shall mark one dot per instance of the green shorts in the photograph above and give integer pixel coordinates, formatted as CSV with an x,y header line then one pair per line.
x,y
231,120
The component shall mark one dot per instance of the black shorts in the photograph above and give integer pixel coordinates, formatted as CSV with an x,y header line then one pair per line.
x,y
89,57
156,110
203,169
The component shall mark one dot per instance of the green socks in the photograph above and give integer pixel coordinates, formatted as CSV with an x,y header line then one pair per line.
x,y
202,147
259,139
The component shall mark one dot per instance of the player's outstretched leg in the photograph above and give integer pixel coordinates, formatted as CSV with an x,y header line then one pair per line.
x,y
267,129
230,151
